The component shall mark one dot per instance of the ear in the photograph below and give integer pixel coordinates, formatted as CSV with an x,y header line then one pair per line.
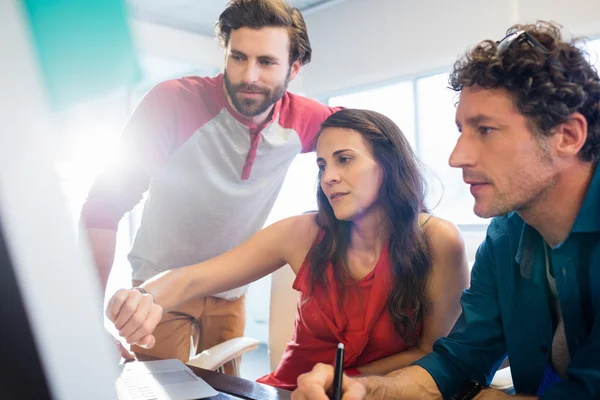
x,y
294,69
571,135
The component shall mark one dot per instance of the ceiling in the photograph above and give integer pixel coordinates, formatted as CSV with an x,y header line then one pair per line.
x,y
199,16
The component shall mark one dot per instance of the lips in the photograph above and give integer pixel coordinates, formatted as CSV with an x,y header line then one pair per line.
x,y
477,187
250,94
251,90
476,183
337,196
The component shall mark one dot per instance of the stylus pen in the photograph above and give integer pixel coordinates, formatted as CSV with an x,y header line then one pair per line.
x,y
338,373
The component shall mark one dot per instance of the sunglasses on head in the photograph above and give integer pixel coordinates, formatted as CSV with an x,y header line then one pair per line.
x,y
519,37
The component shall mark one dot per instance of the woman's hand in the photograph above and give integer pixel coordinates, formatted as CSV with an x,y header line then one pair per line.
x,y
135,316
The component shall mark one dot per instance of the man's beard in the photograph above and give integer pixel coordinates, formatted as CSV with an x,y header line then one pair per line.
x,y
529,187
249,107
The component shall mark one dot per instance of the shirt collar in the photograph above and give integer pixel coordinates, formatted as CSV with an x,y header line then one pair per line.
x,y
527,250
588,220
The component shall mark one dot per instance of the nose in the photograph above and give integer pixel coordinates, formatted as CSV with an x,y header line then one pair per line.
x,y
464,153
330,175
251,72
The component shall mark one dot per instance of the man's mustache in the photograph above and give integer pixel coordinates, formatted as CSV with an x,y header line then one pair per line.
x,y
251,89
471,176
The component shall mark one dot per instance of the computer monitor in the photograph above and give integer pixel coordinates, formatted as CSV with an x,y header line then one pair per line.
x,y
53,344
24,377
52,340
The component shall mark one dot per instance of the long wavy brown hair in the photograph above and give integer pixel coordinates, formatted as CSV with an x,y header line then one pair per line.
x,y
401,198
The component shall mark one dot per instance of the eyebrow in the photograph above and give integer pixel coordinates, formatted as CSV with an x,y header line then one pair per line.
x,y
335,153
233,51
266,57
269,58
476,120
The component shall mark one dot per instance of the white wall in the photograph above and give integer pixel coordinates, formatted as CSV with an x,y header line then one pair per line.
x,y
181,50
201,51
361,43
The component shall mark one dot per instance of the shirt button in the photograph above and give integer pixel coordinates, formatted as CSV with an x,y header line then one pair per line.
x,y
544,349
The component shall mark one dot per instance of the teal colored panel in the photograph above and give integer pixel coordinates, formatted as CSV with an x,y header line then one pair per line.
x,y
83,47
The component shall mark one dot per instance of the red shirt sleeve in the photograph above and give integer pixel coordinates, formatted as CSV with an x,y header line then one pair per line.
x,y
305,116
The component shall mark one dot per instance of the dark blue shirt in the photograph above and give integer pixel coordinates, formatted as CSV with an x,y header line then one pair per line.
x,y
507,309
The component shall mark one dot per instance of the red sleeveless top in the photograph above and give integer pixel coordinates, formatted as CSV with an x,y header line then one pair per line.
x,y
363,324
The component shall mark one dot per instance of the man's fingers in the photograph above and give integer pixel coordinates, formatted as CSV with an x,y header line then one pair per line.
x,y
309,392
314,384
147,342
147,325
323,375
128,308
138,318
116,302
298,395
352,389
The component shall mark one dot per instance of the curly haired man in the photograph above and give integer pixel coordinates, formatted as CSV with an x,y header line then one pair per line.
x,y
529,143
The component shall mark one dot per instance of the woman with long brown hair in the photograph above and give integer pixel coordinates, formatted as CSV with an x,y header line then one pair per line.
x,y
374,269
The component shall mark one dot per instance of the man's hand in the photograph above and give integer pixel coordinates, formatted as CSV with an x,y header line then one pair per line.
x,y
315,384
135,316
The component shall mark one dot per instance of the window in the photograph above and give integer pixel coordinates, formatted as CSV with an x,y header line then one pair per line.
x,y
394,101
299,191
449,196
593,49
424,110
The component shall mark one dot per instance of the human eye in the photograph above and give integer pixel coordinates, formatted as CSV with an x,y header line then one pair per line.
x,y
344,159
485,130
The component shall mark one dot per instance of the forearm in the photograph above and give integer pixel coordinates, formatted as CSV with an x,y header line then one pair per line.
x,y
171,288
262,254
392,363
102,245
411,383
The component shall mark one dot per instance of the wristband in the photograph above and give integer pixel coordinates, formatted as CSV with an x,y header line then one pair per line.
x,y
144,291
470,391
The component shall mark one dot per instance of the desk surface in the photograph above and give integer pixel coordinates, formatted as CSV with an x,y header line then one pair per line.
x,y
231,387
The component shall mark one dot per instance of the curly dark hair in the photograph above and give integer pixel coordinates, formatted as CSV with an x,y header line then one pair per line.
x,y
258,14
547,85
